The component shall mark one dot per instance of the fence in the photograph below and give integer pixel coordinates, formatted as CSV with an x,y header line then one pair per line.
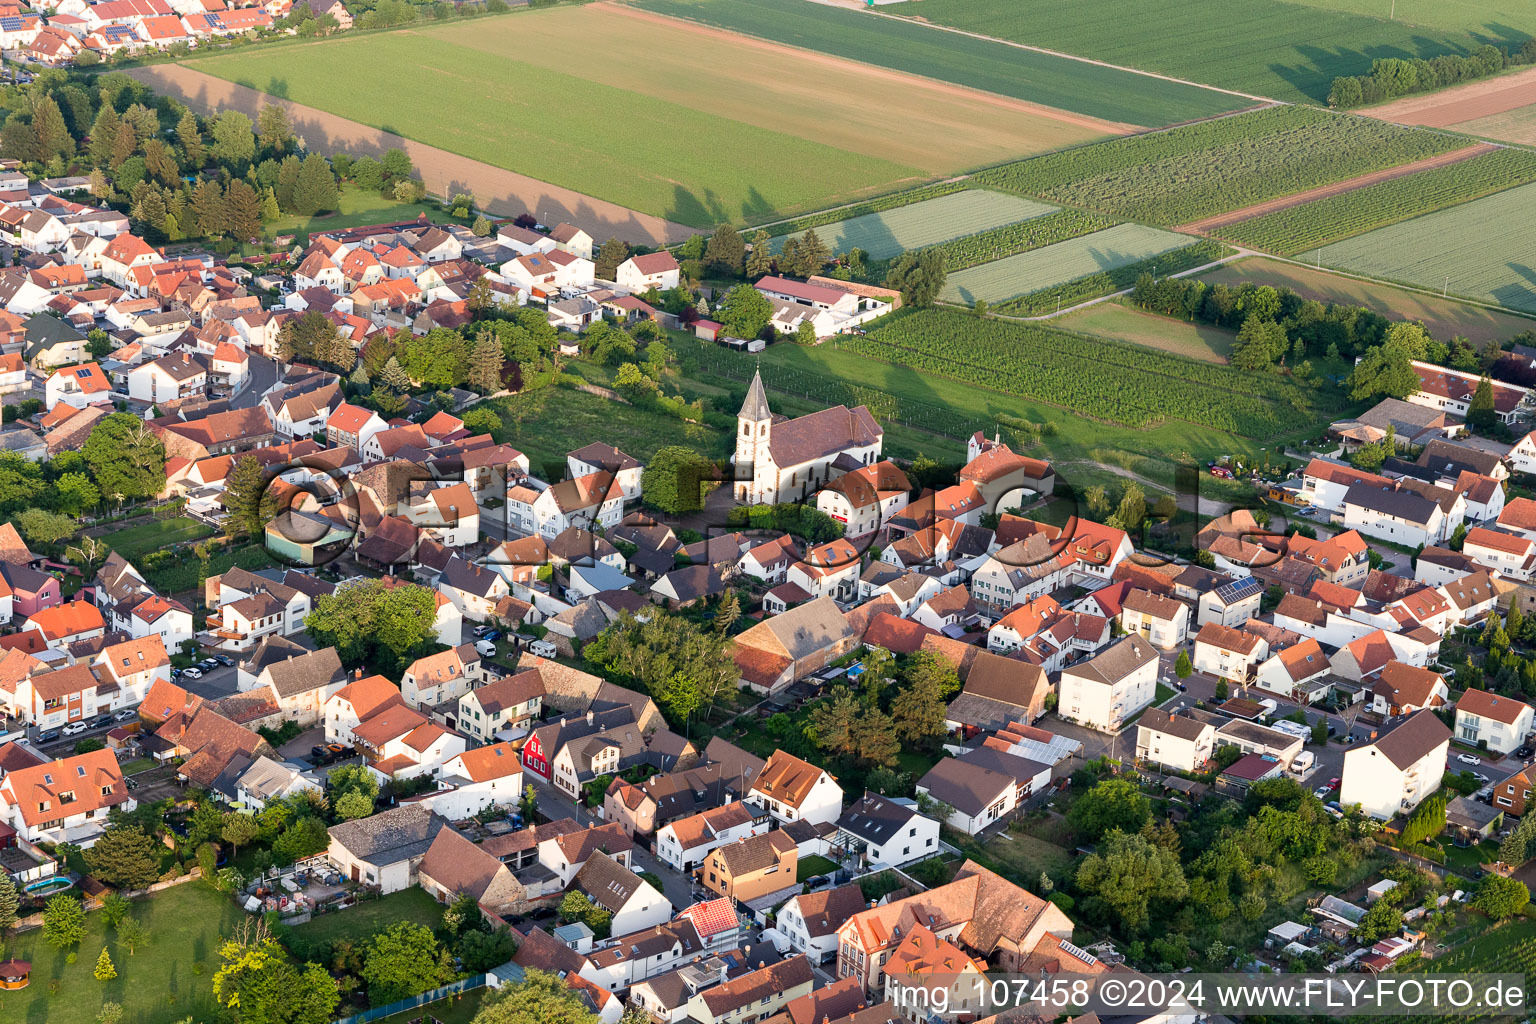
x,y
453,988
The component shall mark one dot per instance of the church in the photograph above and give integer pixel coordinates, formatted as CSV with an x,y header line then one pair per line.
x,y
782,460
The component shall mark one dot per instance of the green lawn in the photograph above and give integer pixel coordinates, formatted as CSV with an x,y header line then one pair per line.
x,y
358,207
167,979
137,541
1269,48
459,1009
1118,321
810,867
1055,81
363,920
547,423
1021,857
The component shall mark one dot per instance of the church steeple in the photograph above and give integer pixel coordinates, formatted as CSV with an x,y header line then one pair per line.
x,y
755,408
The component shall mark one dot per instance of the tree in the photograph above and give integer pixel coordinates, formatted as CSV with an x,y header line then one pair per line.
x,y
612,253
110,1013
63,921
397,165
483,950
1133,507
239,829
760,259
1385,370
104,970
46,528
1129,879
266,987
124,858
1259,343
481,228
726,251
132,933
104,135
744,312
811,254
372,620
353,805
1427,821
673,480
1382,919
1110,804
485,363
191,139
1220,691
727,612
126,458
918,276
315,190
1182,668
1501,897
402,961
242,207
918,711
304,838
1481,413
541,998
273,128
10,905
234,144
247,499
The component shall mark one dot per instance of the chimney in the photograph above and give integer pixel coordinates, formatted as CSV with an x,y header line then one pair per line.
x,y
357,673
589,716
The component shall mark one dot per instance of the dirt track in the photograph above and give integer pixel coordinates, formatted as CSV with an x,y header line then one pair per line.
x,y
1222,220
1463,102
498,191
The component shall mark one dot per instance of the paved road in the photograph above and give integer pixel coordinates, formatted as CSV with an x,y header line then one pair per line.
x,y
677,887
263,376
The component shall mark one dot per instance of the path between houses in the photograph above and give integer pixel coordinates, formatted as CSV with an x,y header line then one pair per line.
x,y
498,191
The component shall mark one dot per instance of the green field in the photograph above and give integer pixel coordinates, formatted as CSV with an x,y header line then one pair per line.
x,y
599,139
362,920
1119,322
1054,81
358,207
1056,264
1283,50
1365,209
1124,384
1198,170
1444,318
1484,250
168,978
887,234
547,423
154,534
986,246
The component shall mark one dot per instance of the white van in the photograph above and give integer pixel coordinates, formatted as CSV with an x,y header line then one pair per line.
x,y
1301,765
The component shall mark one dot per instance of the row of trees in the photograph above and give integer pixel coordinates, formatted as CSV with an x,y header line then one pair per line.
x,y
1391,77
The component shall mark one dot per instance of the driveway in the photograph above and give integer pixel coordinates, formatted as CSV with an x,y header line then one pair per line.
x,y
215,683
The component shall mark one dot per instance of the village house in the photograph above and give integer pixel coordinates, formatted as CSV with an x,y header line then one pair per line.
x,y
1492,721
385,849
795,790
1393,773
1110,687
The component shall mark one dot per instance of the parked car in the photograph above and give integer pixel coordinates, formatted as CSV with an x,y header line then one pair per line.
x,y
1334,782
192,673
101,720
1469,759
491,634
1480,777
486,648
1524,752
126,714
74,728
481,630
48,736
1321,792
225,660
319,751
338,749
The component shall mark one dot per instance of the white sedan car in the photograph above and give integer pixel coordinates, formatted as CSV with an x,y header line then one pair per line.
x,y
1468,759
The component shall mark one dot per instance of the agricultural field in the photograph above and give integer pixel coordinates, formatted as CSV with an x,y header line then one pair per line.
x,y
788,131
1309,225
1199,170
1125,384
1120,322
1080,446
1057,264
1483,250
1501,107
1443,318
1272,48
985,246
1518,125
887,234
1052,80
